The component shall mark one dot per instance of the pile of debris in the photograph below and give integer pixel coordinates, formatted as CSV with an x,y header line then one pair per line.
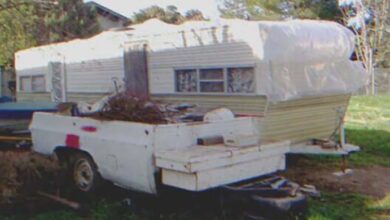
x,y
23,173
127,107
124,107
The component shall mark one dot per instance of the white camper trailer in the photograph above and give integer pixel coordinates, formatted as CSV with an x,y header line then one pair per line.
x,y
296,74
293,79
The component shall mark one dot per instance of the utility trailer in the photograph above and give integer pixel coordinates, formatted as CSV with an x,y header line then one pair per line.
x,y
131,154
142,157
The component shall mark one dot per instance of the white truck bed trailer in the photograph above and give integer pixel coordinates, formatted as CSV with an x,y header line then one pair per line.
x,y
130,154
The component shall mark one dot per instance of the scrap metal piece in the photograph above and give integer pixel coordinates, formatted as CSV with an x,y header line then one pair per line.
x,y
310,190
212,140
71,204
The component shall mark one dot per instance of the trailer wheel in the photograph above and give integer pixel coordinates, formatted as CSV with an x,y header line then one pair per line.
x,y
84,173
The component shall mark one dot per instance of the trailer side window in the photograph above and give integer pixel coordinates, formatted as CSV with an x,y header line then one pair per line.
x,y
25,83
38,84
216,80
32,83
211,80
186,80
241,80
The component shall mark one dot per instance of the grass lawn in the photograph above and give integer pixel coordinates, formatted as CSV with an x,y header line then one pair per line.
x,y
368,125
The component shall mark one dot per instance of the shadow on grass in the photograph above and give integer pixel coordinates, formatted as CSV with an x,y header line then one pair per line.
x,y
375,151
340,206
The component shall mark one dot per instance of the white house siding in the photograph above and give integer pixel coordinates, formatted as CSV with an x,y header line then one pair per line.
x,y
95,76
106,23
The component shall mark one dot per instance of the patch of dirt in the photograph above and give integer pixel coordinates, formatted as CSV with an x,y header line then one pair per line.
x,y
371,181
23,173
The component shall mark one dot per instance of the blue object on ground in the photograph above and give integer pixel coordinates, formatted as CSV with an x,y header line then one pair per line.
x,y
25,110
6,99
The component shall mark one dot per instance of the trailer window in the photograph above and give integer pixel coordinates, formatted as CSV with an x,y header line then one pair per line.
x,y
25,83
186,80
32,83
216,80
211,80
241,80
38,84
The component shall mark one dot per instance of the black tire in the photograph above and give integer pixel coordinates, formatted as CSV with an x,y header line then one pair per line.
x,y
84,173
280,208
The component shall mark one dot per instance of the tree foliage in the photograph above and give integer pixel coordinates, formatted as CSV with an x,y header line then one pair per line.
x,y
27,23
169,15
279,9
69,19
370,20
194,14
16,32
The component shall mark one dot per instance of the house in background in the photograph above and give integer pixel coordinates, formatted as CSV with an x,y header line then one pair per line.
x,y
108,18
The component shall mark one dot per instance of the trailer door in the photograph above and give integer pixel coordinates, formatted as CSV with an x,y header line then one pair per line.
x,y
136,69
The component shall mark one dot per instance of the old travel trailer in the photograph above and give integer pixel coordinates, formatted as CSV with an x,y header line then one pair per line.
x,y
296,75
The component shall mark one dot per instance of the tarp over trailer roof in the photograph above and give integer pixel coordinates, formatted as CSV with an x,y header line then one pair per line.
x,y
298,58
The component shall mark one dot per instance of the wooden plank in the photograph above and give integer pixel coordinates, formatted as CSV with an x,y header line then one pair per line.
x,y
198,158
223,175
192,166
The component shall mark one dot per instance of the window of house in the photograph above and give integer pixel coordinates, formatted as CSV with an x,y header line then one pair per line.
x,y
186,80
32,83
211,80
216,80
241,80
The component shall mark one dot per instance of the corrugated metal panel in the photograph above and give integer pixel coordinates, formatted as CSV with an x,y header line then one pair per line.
x,y
297,120
94,76
239,104
28,96
217,54
303,119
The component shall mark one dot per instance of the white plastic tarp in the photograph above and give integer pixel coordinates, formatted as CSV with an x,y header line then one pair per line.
x,y
304,58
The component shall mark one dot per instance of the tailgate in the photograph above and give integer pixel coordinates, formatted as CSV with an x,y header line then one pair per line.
x,y
198,168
